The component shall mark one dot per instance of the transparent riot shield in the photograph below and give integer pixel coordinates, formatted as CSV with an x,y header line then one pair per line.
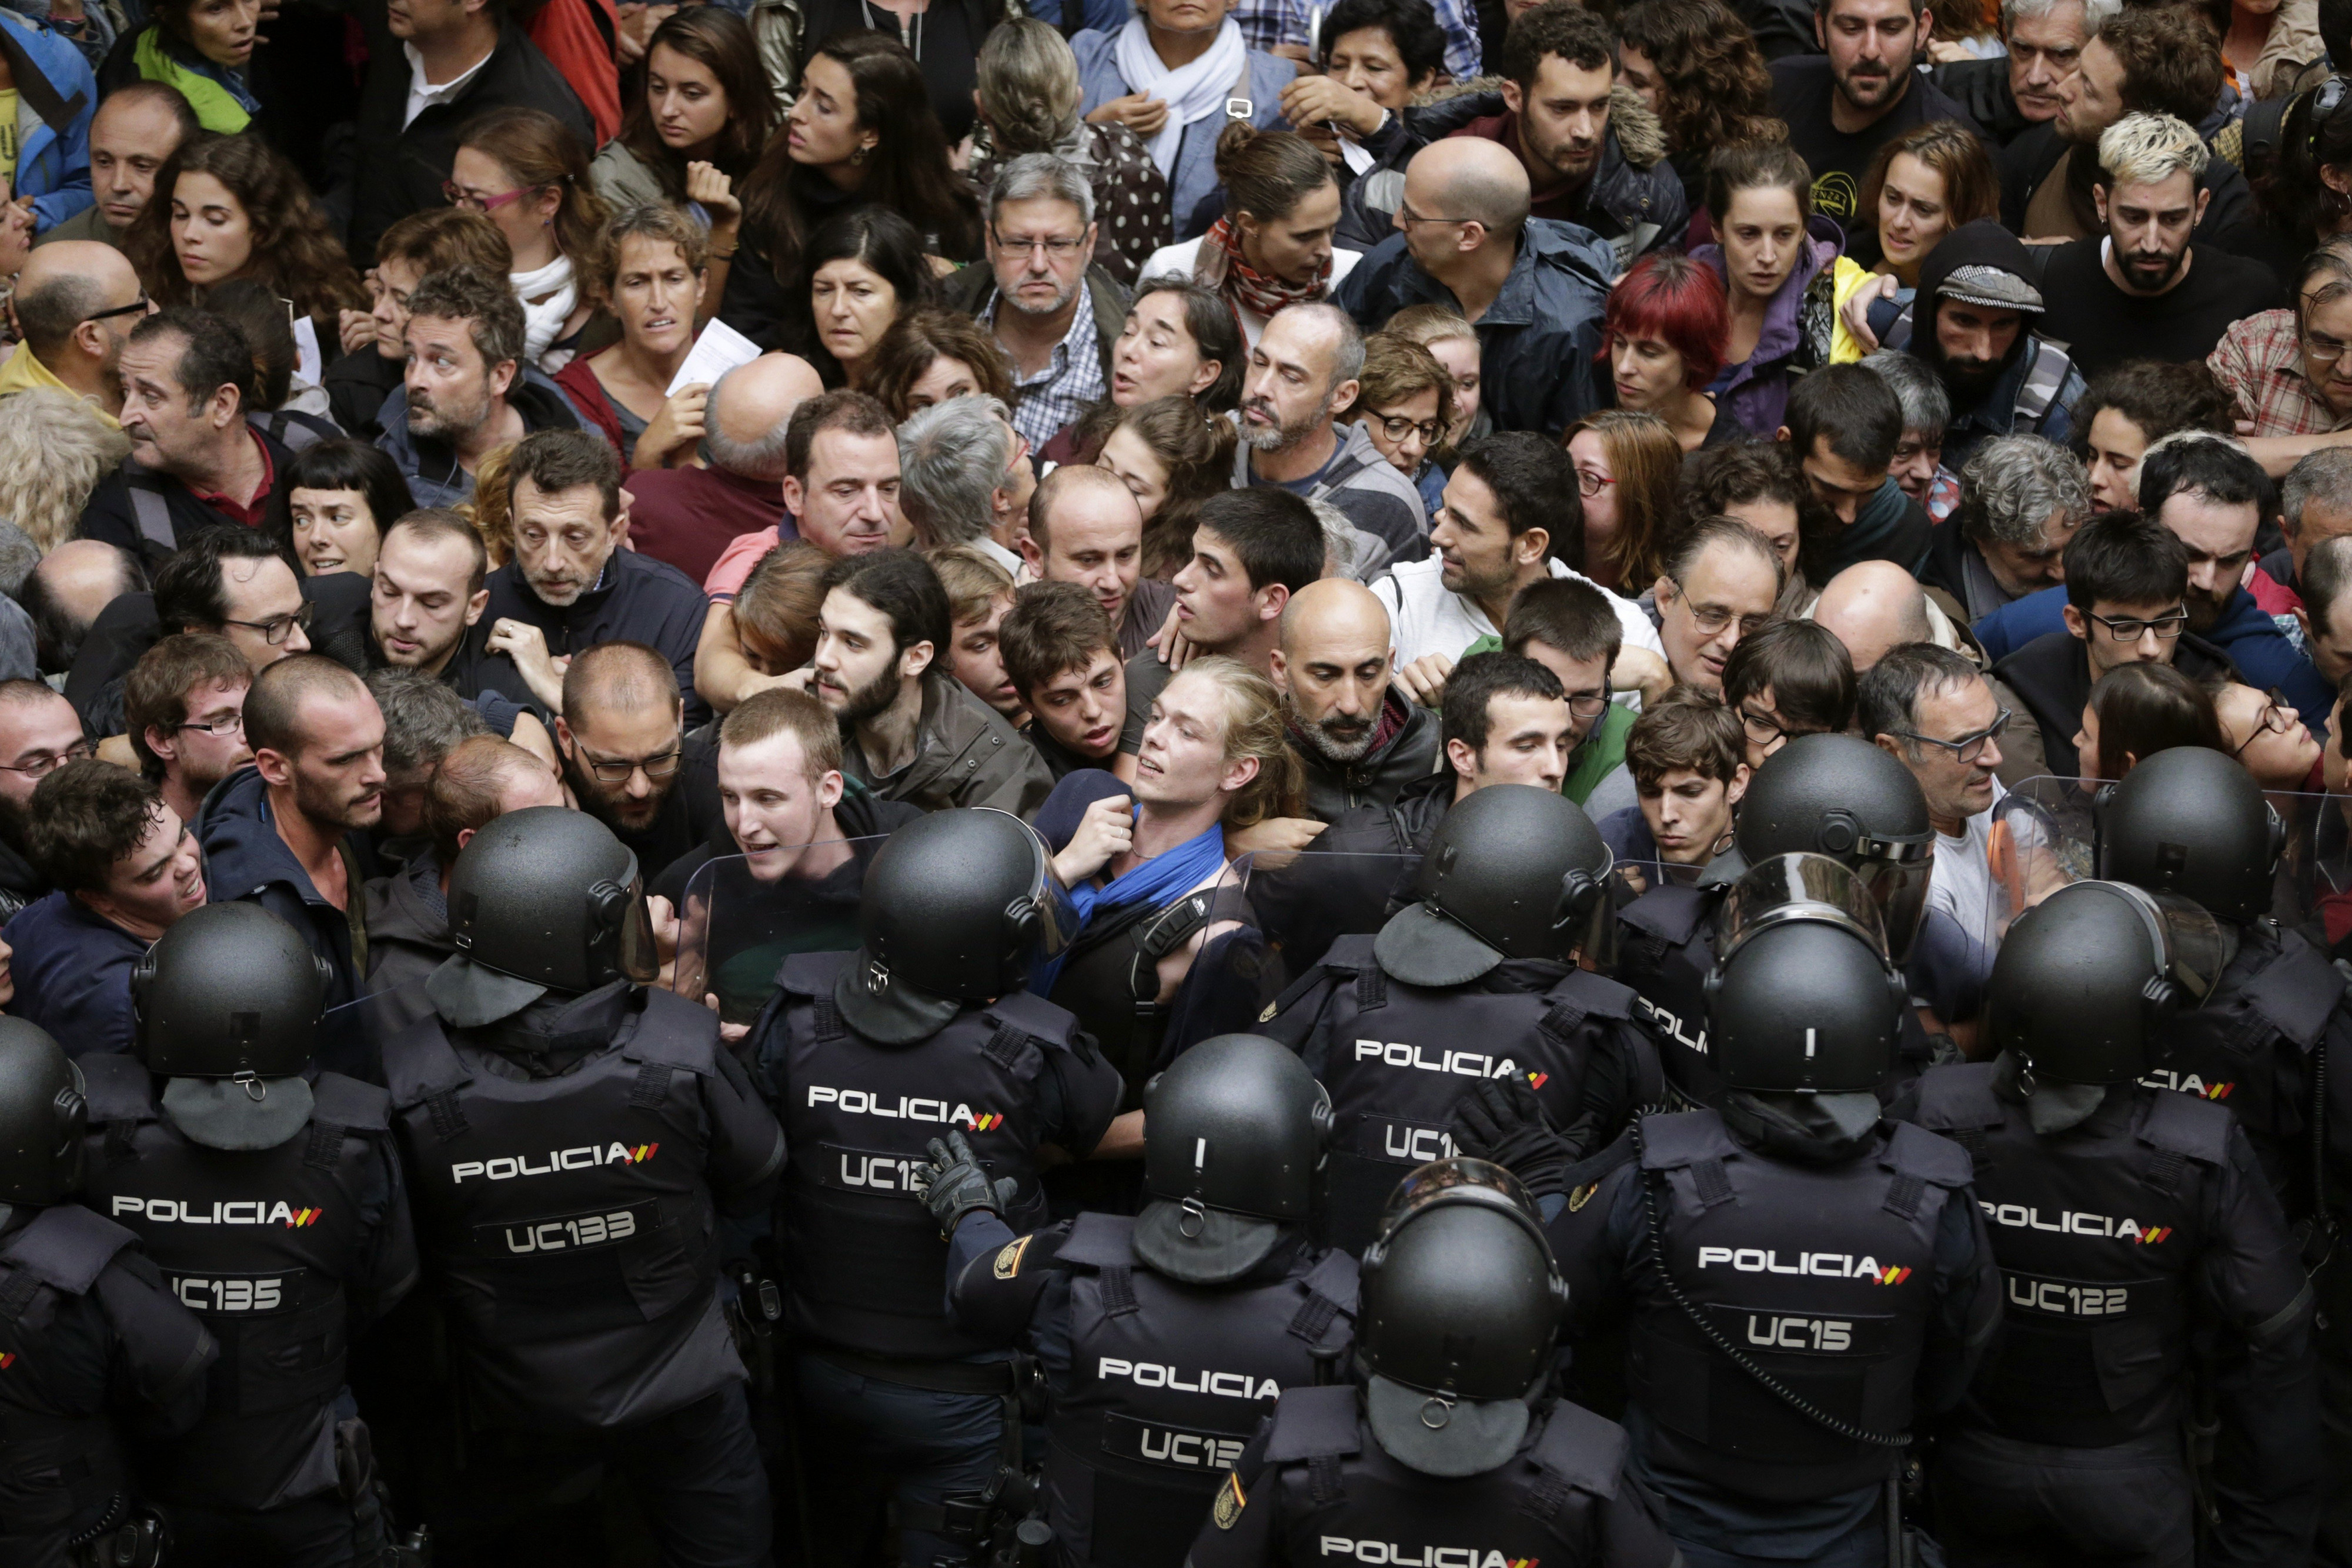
x,y
742,916
1305,900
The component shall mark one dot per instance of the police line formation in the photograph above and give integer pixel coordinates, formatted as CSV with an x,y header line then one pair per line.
x,y
839,1293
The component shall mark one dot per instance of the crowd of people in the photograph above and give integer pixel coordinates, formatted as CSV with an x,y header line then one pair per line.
x,y
1411,510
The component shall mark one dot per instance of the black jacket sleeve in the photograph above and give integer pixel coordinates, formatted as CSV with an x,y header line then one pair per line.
x,y
747,1144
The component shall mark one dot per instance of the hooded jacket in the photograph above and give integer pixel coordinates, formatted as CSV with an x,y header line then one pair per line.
x,y
431,467
1756,390
965,755
57,96
2037,390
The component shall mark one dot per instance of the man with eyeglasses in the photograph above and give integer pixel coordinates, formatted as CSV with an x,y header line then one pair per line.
x,y
1302,371
626,756
183,709
2288,370
39,733
1056,313
1719,585
75,304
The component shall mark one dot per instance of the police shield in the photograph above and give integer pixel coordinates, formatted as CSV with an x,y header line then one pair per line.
x,y
741,916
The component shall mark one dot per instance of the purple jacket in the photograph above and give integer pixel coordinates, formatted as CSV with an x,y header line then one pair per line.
x,y
1756,391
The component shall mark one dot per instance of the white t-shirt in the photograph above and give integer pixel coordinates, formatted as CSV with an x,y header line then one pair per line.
x,y
1426,617
1960,883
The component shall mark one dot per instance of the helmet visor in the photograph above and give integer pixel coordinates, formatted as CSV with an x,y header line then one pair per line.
x,y
1459,1180
1803,887
1045,912
635,953
2191,945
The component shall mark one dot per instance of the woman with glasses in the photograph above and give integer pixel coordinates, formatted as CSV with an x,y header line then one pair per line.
x,y
653,279
861,132
2263,730
1770,250
228,207
527,170
1173,455
2139,710
1663,333
1180,339
1404,399
1628,471
1273,246
341,494
863,268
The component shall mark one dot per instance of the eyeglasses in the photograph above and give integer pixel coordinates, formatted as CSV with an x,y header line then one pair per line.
x,y
225,724
1406,214
1968,748
2321,350
2128,631
616,770
1766,732
2273,718
457,195
1593,484
1058,249
139,307
43,764
278,628
1396,427
1585,705
1709,618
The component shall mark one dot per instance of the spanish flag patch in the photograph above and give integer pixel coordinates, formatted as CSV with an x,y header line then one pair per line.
x,y
1008,1260
1229,1501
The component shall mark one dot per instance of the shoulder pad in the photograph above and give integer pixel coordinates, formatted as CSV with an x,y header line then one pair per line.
x,y
351,1105
2295,991
1594,995
1672,1139
1960,1095
1046,1022
1350,954
420,1059
1931,1156
2187,1126
675,1032
1674,913
118,1088
810,974
1336,1278
1594,1168
1100,1241
1586,1450
1313,1424
67,1247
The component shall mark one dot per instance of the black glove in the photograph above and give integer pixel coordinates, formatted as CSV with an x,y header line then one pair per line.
x,y
954,1184
1501,1120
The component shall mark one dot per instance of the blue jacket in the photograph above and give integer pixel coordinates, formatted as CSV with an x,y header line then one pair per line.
x,y
244,859
1195,174
1536,342
2264,657
56,97
73,974
431,467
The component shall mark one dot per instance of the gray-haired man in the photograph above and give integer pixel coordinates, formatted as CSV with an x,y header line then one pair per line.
x,y
2021,498
1302,371
1054,312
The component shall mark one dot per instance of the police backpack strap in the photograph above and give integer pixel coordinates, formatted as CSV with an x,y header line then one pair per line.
x,y
1330,1288
670,1035
340,1107
149,507
120,1095
424,1069
1103,1242
1020,1016
810,974
66,1248
1316,1426
1579,1452
1579,996
1958,1101
2296,991
1666,918
1921,1159
2180,1128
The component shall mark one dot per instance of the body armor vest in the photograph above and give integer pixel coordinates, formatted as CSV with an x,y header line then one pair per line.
x,y
2096,1230
1397,1059
1333,1482
255,1243
869,1268
2245,1050
1167,1382
569,1217
1822,1275
1110,983
1668,947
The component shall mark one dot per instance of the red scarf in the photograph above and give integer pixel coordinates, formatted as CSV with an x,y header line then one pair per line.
x,y
1221,253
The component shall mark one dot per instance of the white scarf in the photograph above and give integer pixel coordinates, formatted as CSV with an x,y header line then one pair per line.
x,y
543,321
1192,93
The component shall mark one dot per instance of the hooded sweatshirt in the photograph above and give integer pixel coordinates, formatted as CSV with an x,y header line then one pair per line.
x,y
2038,383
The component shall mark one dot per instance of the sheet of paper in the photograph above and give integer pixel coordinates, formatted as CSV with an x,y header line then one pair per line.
x,y
718,351
308,363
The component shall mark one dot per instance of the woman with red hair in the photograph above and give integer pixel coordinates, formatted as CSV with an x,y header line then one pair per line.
x,y
1664,334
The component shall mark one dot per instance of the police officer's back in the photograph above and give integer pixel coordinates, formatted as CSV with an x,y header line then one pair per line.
x,y
1448,1445
1165,1337
93,1345
1478,979
270,1196
1791,1236
2123,1217
571,1138
870,1055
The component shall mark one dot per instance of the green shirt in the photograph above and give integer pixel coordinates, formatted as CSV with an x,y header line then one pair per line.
x,y
1603,751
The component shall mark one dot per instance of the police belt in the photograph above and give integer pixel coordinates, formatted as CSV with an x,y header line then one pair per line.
x,y
997,1377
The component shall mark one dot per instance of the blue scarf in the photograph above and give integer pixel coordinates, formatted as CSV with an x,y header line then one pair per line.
x,y
1161,879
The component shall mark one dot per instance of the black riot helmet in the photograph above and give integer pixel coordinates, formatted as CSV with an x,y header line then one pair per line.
x,y
230,991
1838,795
43,1115
1515,872
1234,1130
1458,1309
544,899
1803,997
955,908
2086,977
2192,821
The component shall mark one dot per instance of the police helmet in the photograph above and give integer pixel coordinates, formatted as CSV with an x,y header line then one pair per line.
x,y
2192,821
955,908
1803,997
1234,1130
230,991
1458,1309
2087,977
42,1116
544,899
1838,795
1515,872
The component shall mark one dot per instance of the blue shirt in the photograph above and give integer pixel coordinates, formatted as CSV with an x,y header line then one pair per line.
x,y
72,970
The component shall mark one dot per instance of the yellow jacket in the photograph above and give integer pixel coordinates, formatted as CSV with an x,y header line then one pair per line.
x,y
24,372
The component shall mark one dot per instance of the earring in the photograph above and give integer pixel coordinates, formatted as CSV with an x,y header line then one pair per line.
x,y
859,156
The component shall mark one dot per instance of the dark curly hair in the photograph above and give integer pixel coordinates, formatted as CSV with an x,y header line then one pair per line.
x,y
2287,186
294,254
2158,398
1715,90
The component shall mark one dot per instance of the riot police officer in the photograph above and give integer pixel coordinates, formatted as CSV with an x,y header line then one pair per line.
x,y
2121,1216
1450,1445
870,1055
89,1335
1800,1282
270,1196
1820,794
573,1137
1165,1337
1478,979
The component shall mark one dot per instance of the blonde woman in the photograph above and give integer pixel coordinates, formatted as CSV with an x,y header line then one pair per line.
x,y
54,450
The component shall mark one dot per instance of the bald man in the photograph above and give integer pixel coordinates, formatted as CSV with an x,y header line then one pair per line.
x,y
1534,288
627,759
1361,741
1302,370
1085,528
75,304
687,516
1876,605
